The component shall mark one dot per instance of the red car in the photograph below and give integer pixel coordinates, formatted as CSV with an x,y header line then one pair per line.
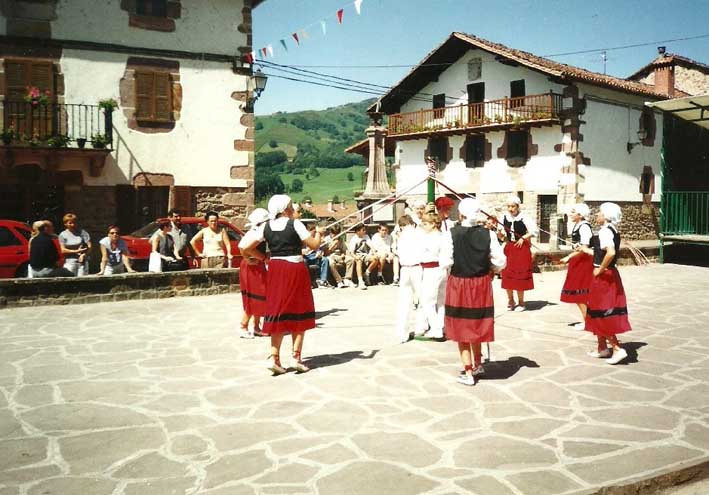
x,y
139,241
14,250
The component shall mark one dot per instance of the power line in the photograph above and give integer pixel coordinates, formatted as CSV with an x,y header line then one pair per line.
x,y
623,47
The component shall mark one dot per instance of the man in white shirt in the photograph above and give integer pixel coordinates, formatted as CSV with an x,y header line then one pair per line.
x,y
359,248
382,242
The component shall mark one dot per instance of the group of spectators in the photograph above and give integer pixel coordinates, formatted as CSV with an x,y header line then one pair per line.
x,y
67,254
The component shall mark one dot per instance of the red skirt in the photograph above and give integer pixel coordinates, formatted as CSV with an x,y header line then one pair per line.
x,y
517,275
607,313
289,298
578,279
470,310
252,281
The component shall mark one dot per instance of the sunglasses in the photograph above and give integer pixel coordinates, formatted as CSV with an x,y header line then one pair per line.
x,y
114,233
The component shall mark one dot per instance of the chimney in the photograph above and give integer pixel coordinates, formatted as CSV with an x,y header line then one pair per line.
x,y
329,206
661,50
665,79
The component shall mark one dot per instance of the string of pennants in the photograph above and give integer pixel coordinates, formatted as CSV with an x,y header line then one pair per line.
x,y
297,37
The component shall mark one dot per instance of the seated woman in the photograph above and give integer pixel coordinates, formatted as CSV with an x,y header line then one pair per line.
x,y
114,253
164,246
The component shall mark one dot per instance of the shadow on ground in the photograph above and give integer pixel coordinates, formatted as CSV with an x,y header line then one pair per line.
x,y
537,305
502,370
325,360
332,311
632,349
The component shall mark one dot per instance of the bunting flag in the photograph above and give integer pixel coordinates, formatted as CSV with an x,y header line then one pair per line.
x,y
249,58
270,50
263,52
285,47
253,55
304,34
340,13
295,37
358,6
323,25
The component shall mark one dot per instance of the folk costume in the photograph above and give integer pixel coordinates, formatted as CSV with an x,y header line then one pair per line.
x,y
580,271
252,275
469,308
408,250
517,275
435,262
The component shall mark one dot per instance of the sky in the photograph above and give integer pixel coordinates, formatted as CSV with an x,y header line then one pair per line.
x,y
403,32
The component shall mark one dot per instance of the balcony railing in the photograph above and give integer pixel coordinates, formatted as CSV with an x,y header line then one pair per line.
x,y
504,112
56,125
685,213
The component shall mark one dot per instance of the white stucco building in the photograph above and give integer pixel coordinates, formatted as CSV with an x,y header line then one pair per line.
x,y
182,135
503,121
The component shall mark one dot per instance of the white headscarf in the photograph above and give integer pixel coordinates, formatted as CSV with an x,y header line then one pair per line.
x,y
611,212
278,204
469,208
582,209
513,200
257,217
418,203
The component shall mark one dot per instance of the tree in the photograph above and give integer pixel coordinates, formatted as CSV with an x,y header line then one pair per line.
x,y
267,183
273,143
313,172
296,186
335,199
259,125
270,159
350,176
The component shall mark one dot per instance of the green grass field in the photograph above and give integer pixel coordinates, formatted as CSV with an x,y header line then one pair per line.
x,y
332,181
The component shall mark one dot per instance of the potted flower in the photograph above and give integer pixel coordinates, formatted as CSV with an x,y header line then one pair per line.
x,y
35,96
8,135
108,105
81,142
33,141
58,141
99,141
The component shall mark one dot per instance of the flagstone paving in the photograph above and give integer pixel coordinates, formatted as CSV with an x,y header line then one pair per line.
x,y
162,397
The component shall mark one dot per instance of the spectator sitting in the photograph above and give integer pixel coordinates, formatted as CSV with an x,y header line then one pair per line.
x,y
335,250
382,244
45,260
75,245
164,245
317,257
114,253
358,253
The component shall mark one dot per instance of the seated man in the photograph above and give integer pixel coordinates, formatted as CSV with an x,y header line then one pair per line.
x,y
358,249
335,250
45,259
317,257
382,242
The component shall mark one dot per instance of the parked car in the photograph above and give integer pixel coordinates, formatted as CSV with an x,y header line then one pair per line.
x,y
139,241
14,248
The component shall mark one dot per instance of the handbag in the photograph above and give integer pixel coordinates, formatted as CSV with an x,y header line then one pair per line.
x,y
155,262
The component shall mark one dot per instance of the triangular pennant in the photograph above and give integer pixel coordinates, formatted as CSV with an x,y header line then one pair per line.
x,y
323,25
253,55
304,34
270,50
295,37
285,47
340,13
249,58
263,52
358,6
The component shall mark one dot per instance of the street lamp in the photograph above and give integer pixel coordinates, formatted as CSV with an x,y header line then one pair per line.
x,y
642,134
256,84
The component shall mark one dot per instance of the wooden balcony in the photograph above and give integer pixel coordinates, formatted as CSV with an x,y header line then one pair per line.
x,y
532,110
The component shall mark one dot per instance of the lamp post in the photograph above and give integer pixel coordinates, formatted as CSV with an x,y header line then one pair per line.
x,y
255,84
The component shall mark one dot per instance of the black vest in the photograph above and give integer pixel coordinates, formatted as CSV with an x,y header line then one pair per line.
x,y
471,251
518,227
599,254
285,242
261,248
576,232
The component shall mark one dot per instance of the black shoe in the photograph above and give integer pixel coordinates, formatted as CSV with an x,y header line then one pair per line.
x,y
382,281
367,281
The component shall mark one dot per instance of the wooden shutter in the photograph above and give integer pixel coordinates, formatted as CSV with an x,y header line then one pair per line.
x,y
144,95
163,97
19,76
182,200
16,80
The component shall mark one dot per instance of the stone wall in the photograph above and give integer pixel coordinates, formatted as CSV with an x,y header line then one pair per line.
x,y
639,221
232,203
93,289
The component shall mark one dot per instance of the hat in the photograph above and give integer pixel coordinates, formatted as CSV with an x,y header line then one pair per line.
x,y
469,208
582,209
419,203
444,203
278,204
257,217
513,200
611,212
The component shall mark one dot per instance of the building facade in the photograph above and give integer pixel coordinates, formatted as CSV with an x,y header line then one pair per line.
x,y
501,121
181,136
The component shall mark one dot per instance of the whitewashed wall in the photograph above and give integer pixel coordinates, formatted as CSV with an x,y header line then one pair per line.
x,y
204,26
614,174
199,151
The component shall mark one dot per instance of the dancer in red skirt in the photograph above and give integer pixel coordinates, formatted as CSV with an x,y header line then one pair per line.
x,y
607,313
289,297
252,278
470,311
517,275
580,271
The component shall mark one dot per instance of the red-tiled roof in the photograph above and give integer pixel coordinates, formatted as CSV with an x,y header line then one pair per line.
x,y
322,211
362,147
670,59
458,43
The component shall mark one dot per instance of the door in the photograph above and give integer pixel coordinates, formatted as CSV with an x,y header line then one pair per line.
x,y
30,119
140,206
518,91
439,103
547,211
476,94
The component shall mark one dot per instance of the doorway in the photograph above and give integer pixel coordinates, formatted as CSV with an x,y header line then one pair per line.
x,y
476,94
547,211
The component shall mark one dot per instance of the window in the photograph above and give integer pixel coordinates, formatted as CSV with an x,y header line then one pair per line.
x,y
7,238
517,146
20,75
154,8
438,148
439,101
475,66
647,123
153,96
517,90
474,151
26,233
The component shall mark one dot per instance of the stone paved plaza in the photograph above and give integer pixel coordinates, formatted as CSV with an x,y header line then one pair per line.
x,y
161,397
